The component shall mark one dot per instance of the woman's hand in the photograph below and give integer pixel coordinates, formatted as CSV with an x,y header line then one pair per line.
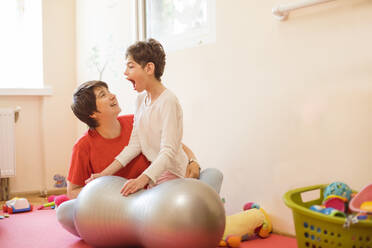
x,y
133,185
92,177
193,170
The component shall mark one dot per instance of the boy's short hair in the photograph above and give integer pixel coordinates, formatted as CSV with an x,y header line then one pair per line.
x,y
144,52
84,102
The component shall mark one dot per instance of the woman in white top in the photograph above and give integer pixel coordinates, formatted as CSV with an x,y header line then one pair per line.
x,y
158,124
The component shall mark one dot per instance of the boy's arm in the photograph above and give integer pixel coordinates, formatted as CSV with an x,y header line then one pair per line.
x,y
73,190
193,168
110,170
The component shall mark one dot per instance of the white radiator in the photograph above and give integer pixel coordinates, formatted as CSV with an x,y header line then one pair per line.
x,y
7,143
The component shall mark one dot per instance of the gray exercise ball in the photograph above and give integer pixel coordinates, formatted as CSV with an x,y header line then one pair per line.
x,y
180,213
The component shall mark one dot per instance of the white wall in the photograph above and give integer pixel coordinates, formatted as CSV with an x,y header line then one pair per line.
x,y
279,105
104,31
46,129
59,123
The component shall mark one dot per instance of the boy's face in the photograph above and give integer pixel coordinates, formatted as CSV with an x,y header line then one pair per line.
x,y
106,102
136,74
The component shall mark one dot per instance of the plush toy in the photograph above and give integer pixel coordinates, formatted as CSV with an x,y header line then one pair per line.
x,y
245,225
60,181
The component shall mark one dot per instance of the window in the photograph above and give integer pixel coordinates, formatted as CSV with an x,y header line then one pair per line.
x,y
180,24
21,44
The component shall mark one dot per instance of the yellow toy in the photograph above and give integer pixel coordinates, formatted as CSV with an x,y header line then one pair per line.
x,y
245,225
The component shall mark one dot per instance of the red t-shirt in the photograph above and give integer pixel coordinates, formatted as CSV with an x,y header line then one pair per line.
x,y
92,154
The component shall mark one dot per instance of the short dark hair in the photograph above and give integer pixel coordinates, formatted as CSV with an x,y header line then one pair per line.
x,y
84,102
144,52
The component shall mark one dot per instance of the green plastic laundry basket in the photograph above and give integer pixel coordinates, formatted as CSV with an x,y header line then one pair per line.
x,y
317,230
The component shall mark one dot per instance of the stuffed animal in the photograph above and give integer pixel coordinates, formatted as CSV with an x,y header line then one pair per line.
x,y
60,181
245,225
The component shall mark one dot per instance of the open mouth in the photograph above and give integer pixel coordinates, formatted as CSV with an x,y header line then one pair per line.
x,y
133,82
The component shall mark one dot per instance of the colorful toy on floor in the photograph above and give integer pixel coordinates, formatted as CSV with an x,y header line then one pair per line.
x,y
246,225
17,205
54,201
60,181
4,216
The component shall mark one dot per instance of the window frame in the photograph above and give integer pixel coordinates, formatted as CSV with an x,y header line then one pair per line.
x,y
187,40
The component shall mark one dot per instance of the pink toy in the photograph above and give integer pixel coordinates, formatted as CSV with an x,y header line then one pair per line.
x,y
51,198
335,203
360,200
54,201
59,199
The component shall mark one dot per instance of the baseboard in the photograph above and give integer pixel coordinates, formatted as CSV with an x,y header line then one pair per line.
x,y
38,193
284,234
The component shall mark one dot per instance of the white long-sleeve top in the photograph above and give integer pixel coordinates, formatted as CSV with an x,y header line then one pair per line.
x,y
157,133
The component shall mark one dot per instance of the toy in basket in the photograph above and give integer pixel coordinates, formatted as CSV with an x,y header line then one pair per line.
x,y
361,204
314,229
336,197
17,205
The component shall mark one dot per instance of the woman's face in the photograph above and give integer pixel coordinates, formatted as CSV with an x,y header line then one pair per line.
x,y
135,74
106,102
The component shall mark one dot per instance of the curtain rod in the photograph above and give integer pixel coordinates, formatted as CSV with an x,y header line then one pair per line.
x,y
282,11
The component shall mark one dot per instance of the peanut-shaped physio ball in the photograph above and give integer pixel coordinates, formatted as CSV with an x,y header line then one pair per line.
x,y
180,213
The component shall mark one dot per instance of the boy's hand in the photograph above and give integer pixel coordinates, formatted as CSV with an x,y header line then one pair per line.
x,y
110,170
193,170
92,177
133,185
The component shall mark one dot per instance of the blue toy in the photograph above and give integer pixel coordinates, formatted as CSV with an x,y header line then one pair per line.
x,y
328,211
339,190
